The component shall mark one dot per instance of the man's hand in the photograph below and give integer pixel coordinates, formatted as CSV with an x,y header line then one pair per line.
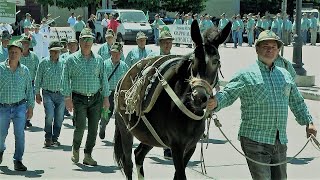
x,y
69,103
212,103
29,113
311,129
106,103
38,98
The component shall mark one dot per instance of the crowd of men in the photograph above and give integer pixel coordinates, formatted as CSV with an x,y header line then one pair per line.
x,y
74,78
69,77
282,25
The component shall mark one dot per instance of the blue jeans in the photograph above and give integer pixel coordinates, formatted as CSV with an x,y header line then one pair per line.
x,y
265,153
304,35
54,113
250,38
235,38
240,38
18,116
156,36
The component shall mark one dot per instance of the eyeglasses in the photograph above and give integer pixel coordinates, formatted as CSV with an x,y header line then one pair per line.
x,y
87,39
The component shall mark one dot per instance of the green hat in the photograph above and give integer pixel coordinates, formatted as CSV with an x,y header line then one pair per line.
x,y
116,47
55,45
63,40
72,41
269,35
36,26
165,35
5,35
25,38
86,32
15,43
27,27
109,33
141,35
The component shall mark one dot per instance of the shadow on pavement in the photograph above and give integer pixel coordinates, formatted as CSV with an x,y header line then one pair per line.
x,y
213,141
107,143
102,169
68,126
29,174
300,160
34,129
61,147
158,160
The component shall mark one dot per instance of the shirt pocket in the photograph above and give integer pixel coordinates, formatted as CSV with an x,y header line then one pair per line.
x,y
258,93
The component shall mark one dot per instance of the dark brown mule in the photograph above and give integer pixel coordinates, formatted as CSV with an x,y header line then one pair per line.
x,y
176,130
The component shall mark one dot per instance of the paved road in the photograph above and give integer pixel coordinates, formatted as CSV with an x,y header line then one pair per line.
x,y
222,161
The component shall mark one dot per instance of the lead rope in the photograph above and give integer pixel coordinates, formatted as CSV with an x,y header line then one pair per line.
x,y
311,138
206,138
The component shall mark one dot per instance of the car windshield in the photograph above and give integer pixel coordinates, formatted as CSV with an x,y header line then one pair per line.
x,y
133,17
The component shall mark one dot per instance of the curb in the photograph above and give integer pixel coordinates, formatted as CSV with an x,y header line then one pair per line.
x,y
310,93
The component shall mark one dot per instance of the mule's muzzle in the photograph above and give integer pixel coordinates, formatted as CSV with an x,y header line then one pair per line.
x,y
199,98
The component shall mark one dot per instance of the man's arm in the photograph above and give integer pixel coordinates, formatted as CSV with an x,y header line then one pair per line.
x,y
228,95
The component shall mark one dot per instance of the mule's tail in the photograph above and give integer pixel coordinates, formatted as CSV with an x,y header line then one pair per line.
x,y
118,149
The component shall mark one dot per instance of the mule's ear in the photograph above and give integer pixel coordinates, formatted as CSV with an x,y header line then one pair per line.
x,y
224,33
195,33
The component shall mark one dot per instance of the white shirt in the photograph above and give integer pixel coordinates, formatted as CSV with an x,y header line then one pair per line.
x,y
105,22
38,48
72,21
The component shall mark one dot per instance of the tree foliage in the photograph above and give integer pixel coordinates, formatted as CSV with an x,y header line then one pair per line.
x,y
70,4
168,5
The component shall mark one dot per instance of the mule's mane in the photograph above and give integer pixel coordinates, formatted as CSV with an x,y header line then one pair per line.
x,y
210,34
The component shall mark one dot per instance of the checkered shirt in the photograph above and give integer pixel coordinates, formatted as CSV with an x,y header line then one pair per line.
x,y
15,85
265,96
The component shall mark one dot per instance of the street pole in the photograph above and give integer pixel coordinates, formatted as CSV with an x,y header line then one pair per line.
x,y
297,43
284,13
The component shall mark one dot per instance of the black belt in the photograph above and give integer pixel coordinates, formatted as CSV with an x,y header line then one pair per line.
x,y
13,104
51,91
85,94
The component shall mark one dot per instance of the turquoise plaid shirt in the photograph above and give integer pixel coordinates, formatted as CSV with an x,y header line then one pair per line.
x,y
104,52
32,62
84,76
265,96
3,54
49,75
136,54
15,86
121,71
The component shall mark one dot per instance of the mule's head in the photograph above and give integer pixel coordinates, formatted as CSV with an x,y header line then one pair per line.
x,y
206,63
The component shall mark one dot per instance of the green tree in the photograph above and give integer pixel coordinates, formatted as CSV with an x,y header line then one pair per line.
x,y
168,5
72,4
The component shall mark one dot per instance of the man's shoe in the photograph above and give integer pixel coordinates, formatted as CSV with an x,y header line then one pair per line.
x,y
102,133
56,143
75,156
48,143
167,154
88,160
28,123
1,156
18,166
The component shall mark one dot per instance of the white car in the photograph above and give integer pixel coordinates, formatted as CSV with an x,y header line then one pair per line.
x,y
131,22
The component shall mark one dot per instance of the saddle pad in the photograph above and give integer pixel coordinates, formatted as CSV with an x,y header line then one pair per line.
x,y
139,72
167,70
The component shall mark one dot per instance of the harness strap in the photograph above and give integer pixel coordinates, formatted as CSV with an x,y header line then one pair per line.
x,y
180,105
153,132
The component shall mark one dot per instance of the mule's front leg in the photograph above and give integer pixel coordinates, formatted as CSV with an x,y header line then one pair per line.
x,y
140,153
177,155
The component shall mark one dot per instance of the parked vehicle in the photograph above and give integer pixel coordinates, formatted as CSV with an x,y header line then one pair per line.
x,y
131,22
